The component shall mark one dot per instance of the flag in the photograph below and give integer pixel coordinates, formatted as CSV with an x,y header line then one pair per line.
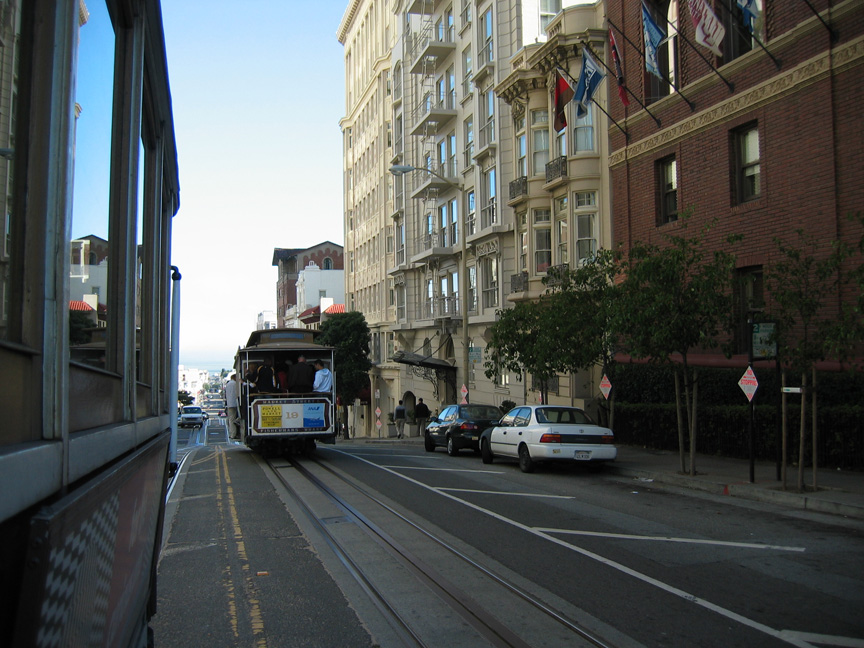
x,y
653,36
709,29
563,93
589,79
749,13
619,73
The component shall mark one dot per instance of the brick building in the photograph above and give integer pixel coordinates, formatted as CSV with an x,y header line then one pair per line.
x,y
291,262
763,140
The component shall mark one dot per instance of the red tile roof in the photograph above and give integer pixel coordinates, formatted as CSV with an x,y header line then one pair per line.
x,y
80,306
335,308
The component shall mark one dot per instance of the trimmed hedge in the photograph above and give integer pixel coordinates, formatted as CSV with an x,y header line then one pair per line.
x,y
645,415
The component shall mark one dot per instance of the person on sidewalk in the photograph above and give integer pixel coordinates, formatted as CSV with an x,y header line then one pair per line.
x,y
421,413
399,419
232,407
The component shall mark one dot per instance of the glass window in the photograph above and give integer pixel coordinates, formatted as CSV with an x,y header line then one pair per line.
x,y
562,232
668,190
490,281
583,131
539,141
548,10
586,242
742,28
521,153
542,240
469,142
91,301
747,163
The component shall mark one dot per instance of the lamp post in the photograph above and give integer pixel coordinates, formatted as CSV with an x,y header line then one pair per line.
x,y
402,169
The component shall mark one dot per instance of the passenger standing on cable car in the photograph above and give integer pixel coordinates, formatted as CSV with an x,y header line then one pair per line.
x,y
264,379
323,378
301,376
232,406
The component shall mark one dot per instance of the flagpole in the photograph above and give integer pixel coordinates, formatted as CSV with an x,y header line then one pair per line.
x,y
666,79
574,82
727,6
626,89
830,29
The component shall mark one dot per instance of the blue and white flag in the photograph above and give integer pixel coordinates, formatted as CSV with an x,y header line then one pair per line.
x,y
749,13
589,78
653,36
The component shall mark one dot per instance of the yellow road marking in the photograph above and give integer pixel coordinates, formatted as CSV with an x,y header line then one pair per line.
x,y
255,618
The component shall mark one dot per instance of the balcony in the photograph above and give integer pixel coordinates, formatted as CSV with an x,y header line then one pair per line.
x,y
518,190
555,274
519,282
447,178
485,61
432,245
556,172
433,113
429,53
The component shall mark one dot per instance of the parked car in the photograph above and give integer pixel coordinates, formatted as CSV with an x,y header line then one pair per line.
x,y
459,426
535,433
192,416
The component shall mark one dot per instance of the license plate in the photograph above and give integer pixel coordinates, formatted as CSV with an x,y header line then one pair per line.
x,y
582,456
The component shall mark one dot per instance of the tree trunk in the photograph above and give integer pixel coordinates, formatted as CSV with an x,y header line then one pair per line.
x,y
693,424
680,422
801,444
814,429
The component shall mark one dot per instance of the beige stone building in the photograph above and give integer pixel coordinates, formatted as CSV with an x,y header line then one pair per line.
x,y
459,195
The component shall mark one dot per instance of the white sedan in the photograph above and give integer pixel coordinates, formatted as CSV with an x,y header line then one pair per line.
x,y
533,433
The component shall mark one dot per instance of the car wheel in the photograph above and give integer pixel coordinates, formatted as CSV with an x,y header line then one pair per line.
x,y
526,463
429,443
452,450
485,451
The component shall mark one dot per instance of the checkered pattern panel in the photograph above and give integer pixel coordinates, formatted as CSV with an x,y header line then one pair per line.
x,y
75,608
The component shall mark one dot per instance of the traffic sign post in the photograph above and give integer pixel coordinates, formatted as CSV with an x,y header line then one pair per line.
x,y
749,384
605,386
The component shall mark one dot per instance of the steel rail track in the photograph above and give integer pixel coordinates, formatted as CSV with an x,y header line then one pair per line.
x,y
473,612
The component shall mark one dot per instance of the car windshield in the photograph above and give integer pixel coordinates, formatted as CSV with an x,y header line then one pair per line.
x,y
562,415
481,413
191,410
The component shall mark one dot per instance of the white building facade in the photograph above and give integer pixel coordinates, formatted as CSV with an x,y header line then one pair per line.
x,y
448,194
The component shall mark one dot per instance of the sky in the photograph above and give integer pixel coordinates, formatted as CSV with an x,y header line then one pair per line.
x,y
258,91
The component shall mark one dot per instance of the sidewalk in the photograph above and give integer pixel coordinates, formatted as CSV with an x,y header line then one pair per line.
x,y
839,492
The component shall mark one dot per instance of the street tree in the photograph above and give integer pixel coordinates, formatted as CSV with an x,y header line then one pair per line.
x,y
525,338
582,306
676,298
803,283
348,334
184,397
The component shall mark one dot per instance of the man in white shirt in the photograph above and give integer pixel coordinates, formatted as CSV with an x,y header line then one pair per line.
x,y
323,378
232,407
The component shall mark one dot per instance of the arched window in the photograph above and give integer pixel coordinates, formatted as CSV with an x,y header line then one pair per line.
x,y
327,263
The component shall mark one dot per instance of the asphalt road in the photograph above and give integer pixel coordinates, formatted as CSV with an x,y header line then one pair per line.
x,y
659,567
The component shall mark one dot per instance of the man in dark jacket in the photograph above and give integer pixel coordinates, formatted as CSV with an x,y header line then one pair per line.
x,y
421,413
301,377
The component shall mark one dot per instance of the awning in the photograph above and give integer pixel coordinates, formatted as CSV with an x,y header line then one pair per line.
x,y
417,360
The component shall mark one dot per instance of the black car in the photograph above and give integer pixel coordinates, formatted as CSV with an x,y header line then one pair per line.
x,y
459,426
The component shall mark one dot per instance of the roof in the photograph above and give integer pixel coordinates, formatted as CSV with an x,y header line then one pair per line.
x,y
334,309
315,310
80,306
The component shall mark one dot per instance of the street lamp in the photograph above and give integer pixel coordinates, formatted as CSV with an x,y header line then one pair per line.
x,y
402,169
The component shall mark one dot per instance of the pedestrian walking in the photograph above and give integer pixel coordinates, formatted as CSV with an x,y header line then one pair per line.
x,y
421,414
399,419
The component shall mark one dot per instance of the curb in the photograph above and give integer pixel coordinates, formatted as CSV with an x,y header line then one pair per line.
x,y
802,501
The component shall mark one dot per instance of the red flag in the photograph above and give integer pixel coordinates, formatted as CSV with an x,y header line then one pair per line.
x,y
563,93
619,73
